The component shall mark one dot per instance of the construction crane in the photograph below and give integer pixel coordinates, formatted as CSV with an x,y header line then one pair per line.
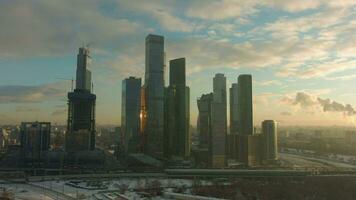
x,y
72,81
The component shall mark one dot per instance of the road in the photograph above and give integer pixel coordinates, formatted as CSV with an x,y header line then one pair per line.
x,y
303,161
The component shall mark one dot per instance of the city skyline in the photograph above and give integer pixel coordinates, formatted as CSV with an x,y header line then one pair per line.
x,y
295,69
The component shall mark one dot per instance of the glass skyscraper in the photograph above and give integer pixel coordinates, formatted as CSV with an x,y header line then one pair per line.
x,y
219,121
130,113
154,95
177,112
244,102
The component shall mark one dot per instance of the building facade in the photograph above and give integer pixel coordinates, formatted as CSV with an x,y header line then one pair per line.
x,y
233,109
154,95
130,113
34,140
269,131
219,121
244,102
204,127
176,134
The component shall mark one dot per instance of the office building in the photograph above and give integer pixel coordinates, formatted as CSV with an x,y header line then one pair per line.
x,y
219,121
130,113
231,141
244,102
80,134
34,139
269,131
154,95
233,109
204,128
250,149
204,120
176,133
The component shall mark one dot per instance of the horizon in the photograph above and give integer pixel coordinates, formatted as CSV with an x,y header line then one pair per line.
x,y
301,56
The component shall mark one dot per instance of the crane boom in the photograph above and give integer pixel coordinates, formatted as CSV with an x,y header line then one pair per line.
x,y
67,79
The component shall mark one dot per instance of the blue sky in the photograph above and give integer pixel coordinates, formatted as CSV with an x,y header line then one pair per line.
x,y
302,54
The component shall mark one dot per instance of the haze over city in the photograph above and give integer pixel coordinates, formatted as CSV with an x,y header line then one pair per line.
x,y
301,54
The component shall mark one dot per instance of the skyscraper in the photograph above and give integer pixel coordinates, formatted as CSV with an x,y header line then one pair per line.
x,y
244,102
219,121
249,144
233,109
204,120
204,127
130,113
83,81
177,112
154,95
269,131
80,134
231,140
34,139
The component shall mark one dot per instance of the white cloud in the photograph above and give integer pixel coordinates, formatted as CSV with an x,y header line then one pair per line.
x,y
55,27
161,11
32,94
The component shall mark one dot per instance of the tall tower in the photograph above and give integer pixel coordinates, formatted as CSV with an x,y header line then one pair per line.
x,y
204,120
80,134
269,131
204,125
244,102
233,109
83,81
130,113
177,112
154,94
219,121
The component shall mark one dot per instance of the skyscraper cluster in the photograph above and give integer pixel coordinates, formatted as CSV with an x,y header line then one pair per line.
x,y
155,119
242,144
163,115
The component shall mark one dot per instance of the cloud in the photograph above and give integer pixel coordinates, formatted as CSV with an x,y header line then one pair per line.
x,y
57,27
32,94
59,112
161,11
333,106
342,78
306,100
221,9
286,113
227,9
27,109
269,83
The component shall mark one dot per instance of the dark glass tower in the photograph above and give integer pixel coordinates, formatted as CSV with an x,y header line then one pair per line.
x,y
177,112
244,102
204,125
219,121
80,134
204,120
233,109
34,140
154,95
130,113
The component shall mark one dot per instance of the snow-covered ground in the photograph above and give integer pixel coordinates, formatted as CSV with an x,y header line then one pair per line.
x,y
131,186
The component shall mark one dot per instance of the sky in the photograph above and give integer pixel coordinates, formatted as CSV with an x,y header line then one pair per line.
x,y
301,54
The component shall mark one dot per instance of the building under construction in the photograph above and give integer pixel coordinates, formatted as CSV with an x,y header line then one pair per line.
x,y
80,134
